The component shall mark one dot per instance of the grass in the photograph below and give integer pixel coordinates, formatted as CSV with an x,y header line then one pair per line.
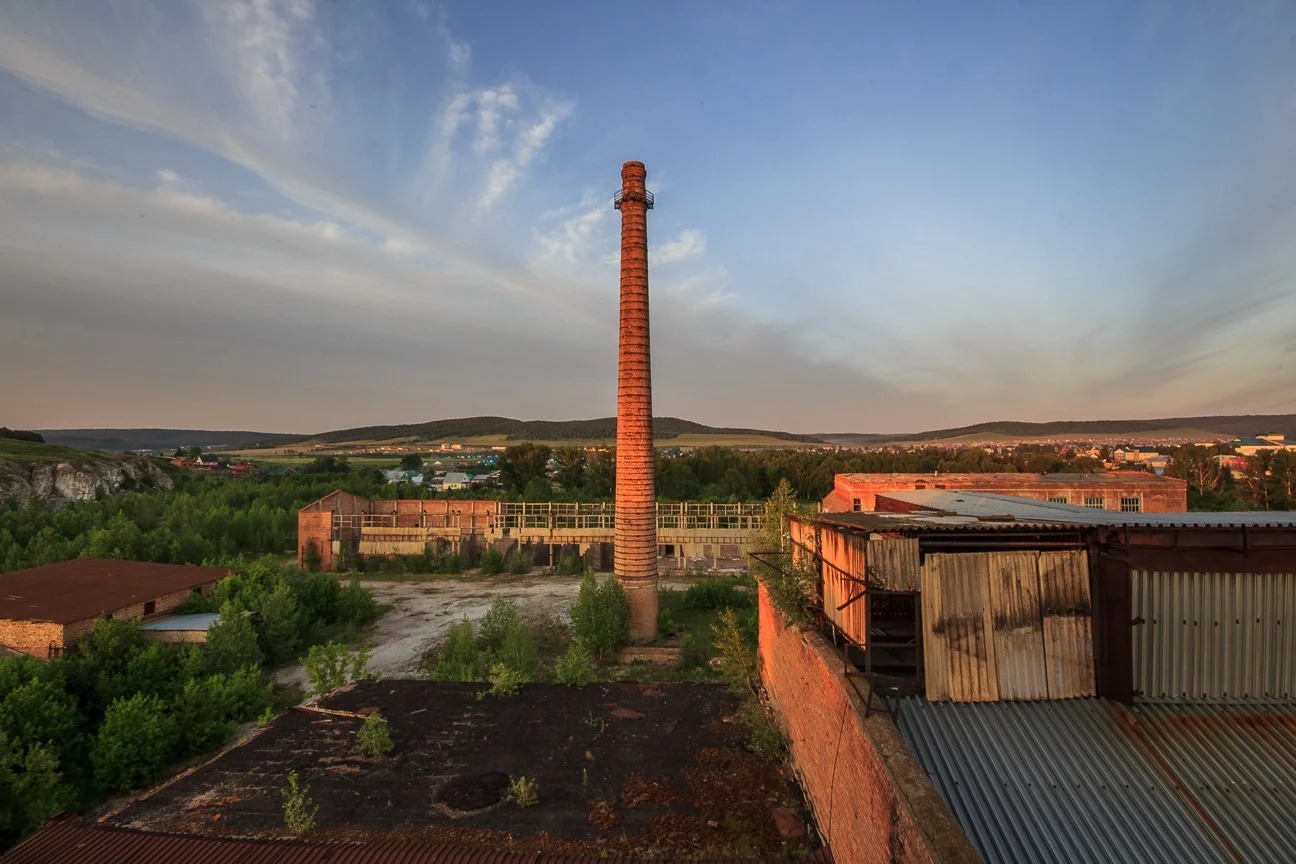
x,y
30,452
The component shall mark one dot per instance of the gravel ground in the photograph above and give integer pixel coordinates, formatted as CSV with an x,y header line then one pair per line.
x,y
422,610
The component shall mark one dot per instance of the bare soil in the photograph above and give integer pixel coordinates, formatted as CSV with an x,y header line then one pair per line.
x,y
660,770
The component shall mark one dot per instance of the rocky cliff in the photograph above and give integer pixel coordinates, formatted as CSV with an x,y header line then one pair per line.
x,y
83,478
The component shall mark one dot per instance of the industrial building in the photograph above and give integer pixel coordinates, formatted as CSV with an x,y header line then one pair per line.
x,y
45,610
997,678
689,535
1124,491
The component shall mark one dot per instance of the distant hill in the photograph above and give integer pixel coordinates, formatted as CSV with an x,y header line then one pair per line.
x,y
1230,426
127,440
534,430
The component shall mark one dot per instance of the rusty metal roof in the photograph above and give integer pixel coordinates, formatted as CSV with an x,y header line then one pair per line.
x,y
1090,780
1001,509
84,588
933,522
70,840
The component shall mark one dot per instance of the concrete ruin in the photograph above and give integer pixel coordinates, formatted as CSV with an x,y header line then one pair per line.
x,y
636,514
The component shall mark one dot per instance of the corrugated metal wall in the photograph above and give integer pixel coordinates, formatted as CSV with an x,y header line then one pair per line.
x,y
1214,636
894,563
1007,626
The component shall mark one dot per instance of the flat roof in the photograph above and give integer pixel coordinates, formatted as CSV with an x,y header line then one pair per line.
x,y
1097,478
1092,780
82,588
1008,509
198,622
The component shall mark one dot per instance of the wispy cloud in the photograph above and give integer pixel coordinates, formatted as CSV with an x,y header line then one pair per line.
x,y
690,243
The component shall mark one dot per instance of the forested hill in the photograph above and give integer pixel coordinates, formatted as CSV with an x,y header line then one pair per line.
x,y
1233,425
538,430
126,440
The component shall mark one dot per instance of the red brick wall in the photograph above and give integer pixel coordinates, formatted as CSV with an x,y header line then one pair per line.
x,y
1159,494
316,526
872,802
30,637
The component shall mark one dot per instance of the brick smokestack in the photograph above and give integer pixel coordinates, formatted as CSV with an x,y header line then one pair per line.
x,y
636,500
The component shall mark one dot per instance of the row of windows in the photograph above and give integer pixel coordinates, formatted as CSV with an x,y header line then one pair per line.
x,y
1128,504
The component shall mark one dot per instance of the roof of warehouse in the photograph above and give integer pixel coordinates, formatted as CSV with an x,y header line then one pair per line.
x,y
1009,508
69,840
933,521
1090,780
87,587
197,622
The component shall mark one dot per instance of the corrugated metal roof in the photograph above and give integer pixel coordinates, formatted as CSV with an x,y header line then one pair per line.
x,y
932,522
86,587
69,840
1089,780
989,505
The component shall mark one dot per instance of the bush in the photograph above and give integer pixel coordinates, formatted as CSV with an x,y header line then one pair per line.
x,y
570,563
209,709
459,659
311,556
330,666
523,792
356,605
374,738
693,651
601,615
491,561
136,741
517,562
665,622
231,643
735,642
34,788
503,680
495,624
298,809
518,651
766,736
716,594
575,668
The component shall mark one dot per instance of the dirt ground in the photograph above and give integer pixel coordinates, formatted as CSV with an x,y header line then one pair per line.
x,y
422,610
648,769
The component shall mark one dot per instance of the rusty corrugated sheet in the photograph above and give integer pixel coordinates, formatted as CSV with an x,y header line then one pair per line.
x,y
1067,612
844,552
893,562
1214,636
958,644
69,840
1013,583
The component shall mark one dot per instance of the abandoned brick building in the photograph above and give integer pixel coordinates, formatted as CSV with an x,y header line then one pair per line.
x,y
1012,680
1126,491
45,610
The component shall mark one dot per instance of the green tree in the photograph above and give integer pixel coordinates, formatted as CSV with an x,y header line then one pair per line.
x,y
330,666
411,461
601,616
136,741
231,643
31,788
277,623
520,464
537,490
571,468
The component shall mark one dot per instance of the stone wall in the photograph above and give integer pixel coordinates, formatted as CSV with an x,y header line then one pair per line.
x,y
872,802
30,637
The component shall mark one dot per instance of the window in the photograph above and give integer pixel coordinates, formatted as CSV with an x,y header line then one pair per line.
x,y
857,505
1057,499
1094,503
150,607
1131,504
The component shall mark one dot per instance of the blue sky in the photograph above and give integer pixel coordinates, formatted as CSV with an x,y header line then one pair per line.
x,y
884,216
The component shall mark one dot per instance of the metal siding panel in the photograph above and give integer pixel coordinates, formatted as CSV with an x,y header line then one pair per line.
x,y
1225,637
1013,581
1067,611
935,645
966,626
895,562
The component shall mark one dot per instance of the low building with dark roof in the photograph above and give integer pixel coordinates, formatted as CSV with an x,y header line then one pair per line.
x,y
45,610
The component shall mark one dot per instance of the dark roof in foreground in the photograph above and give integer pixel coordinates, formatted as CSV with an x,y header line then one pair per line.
x,y
70,840
86,587
1001,509
1090,780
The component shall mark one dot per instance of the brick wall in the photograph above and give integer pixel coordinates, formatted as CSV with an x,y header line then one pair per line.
x,y
316,526
1158,494
872,802
30,637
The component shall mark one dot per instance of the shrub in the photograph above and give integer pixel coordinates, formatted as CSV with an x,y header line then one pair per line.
x,y
504,681
766,736
523,792
495,624
518,651
298,809
575,668
136,741
374,737
231,643
491,561
209,709
459,659
331,665
716,594
517,562
570,563
601,615
665,622
311,556
693,651
735,642
277,623
34,788
356,604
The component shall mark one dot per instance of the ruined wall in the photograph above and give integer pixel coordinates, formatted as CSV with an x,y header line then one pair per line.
x,y
872,802
316,526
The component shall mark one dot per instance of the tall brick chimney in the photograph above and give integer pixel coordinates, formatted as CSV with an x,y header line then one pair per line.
x,y
636,500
